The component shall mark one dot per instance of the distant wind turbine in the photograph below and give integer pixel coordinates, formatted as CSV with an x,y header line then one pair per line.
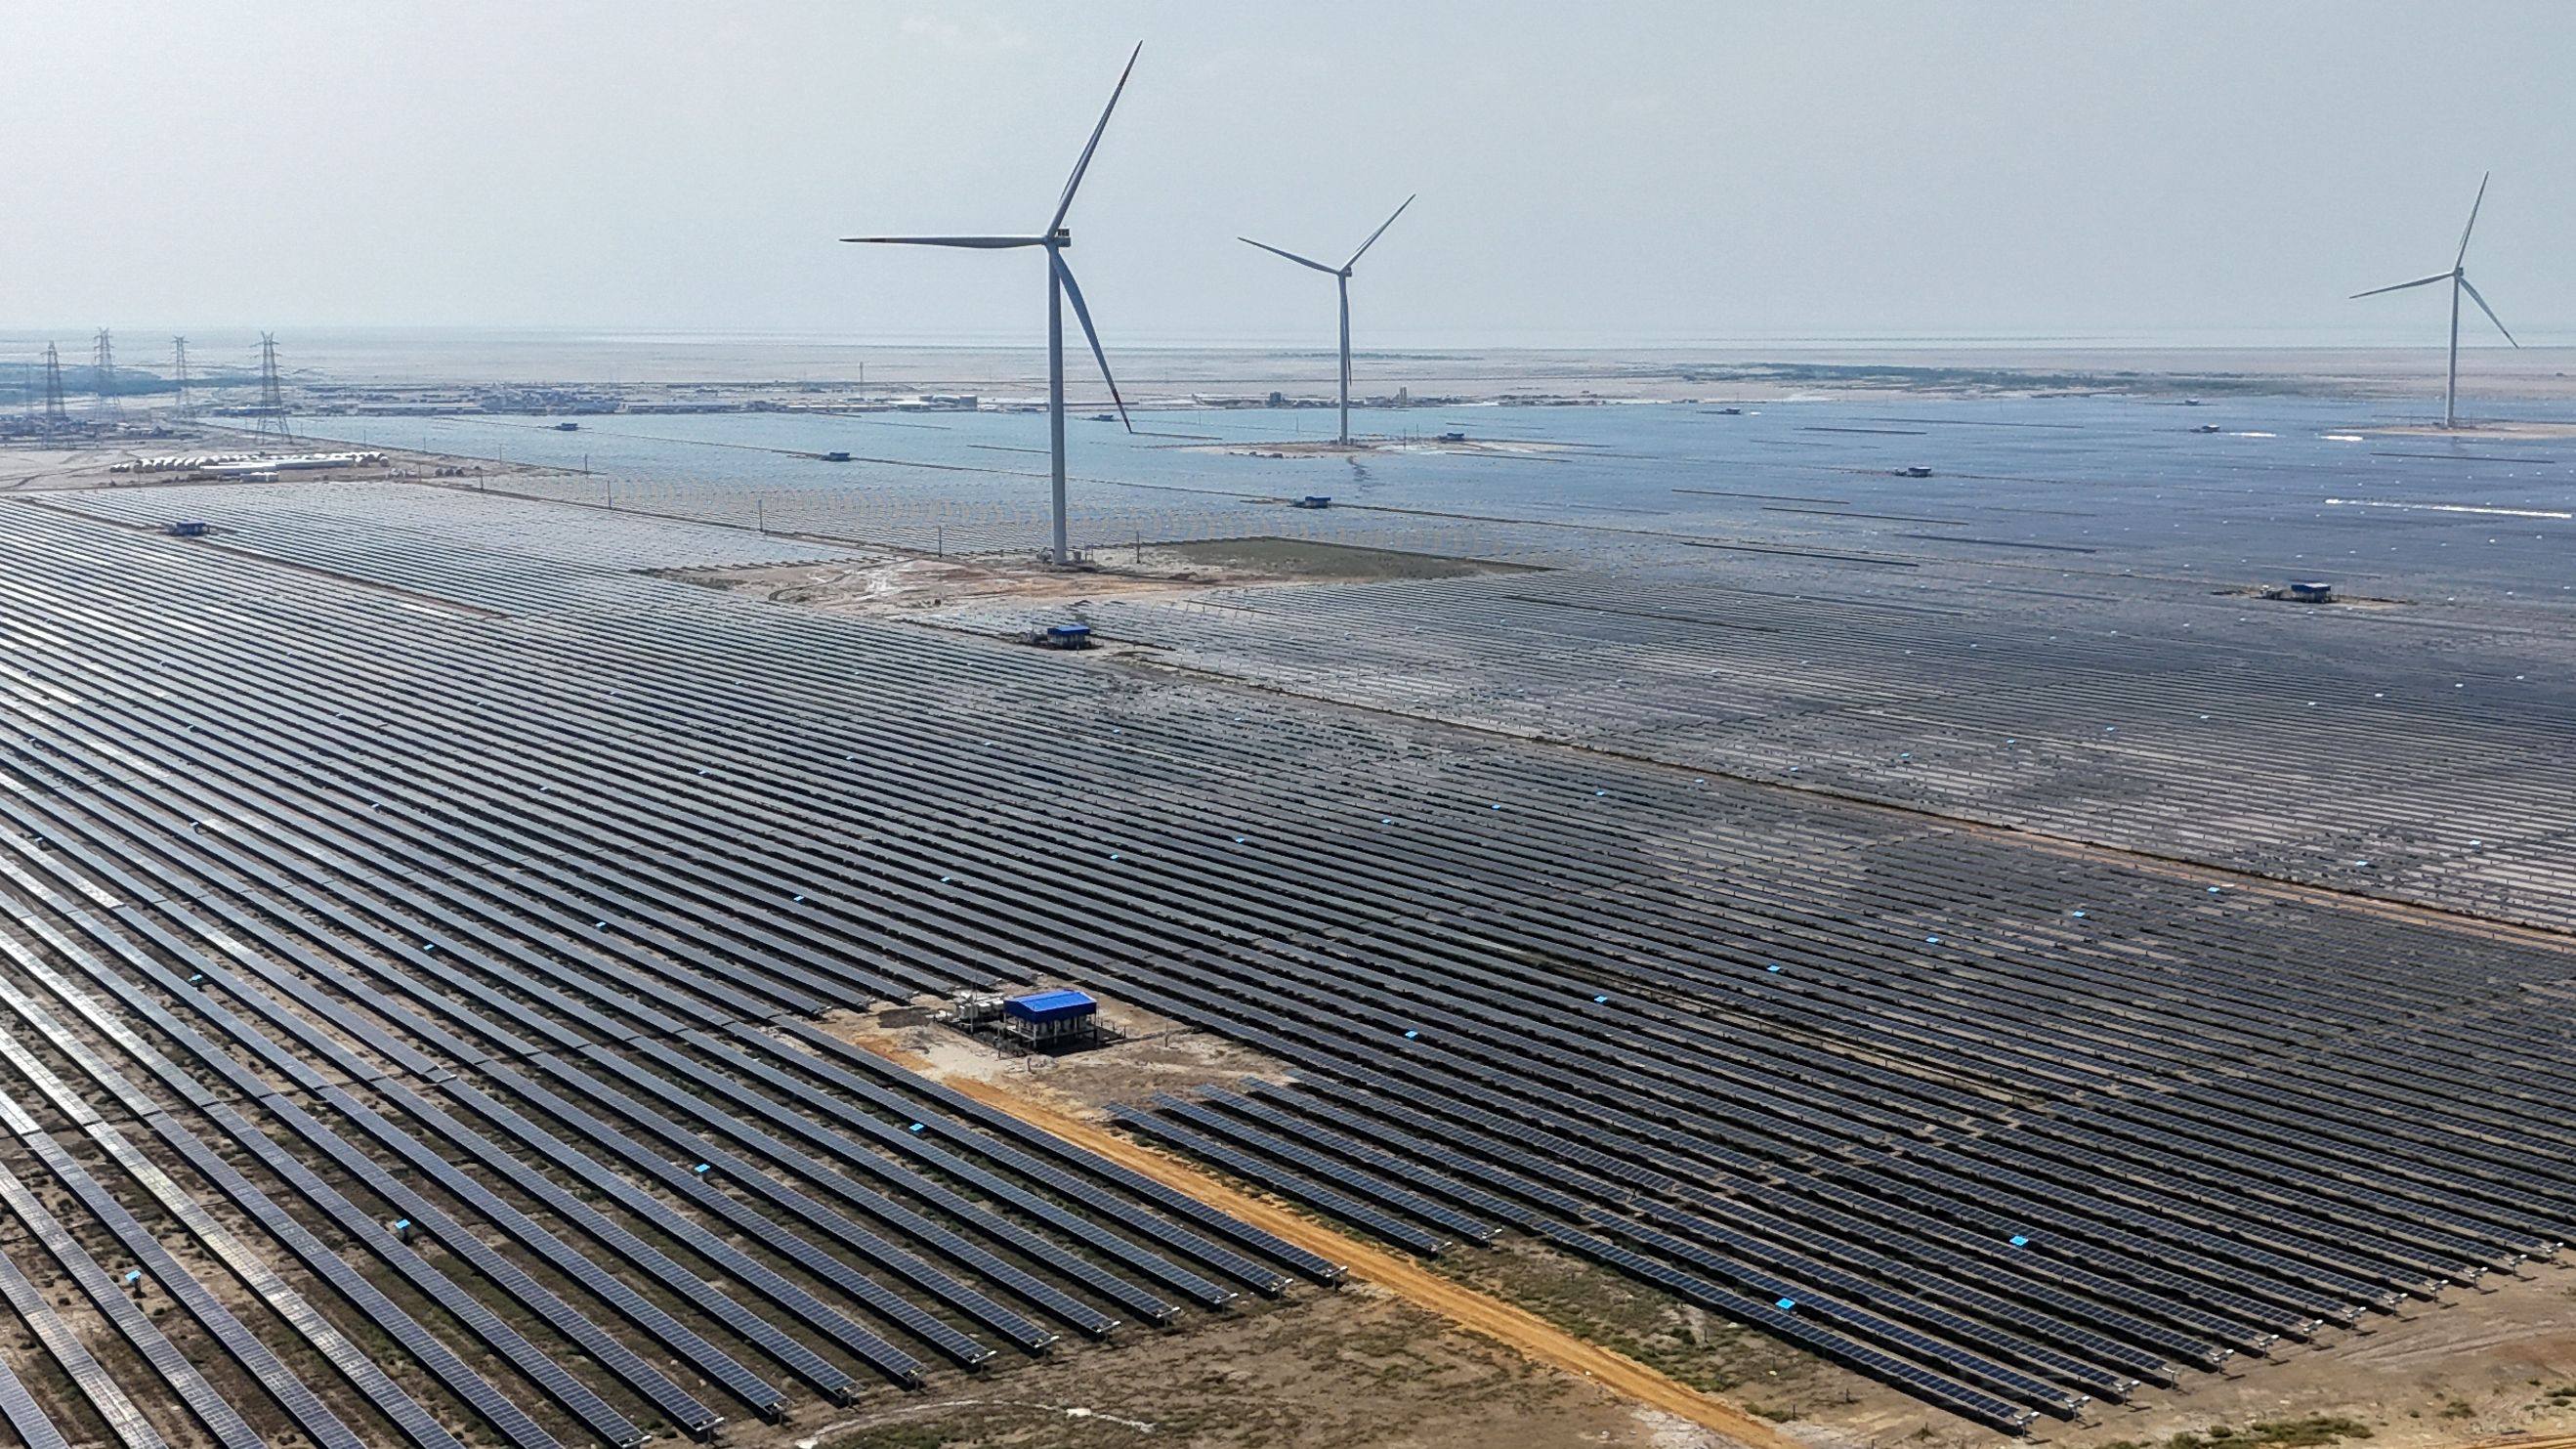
x,y
1060,287
1342,278
2458,277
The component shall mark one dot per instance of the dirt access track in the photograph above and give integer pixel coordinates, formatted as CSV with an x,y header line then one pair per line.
x,y
1464,1307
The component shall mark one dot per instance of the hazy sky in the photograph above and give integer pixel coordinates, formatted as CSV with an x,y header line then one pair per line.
x,y
1590,173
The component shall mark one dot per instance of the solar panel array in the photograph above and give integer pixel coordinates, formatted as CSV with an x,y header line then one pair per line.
x,y
484,940
550,1123
2402,751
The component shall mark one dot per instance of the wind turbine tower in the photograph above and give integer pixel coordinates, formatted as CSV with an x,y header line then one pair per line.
x,y
2458,277
1060,289
1342,280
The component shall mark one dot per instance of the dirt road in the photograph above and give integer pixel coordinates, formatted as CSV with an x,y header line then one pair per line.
x,y
1526,1333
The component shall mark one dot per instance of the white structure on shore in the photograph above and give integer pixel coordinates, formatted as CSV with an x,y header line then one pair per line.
x,y
225,465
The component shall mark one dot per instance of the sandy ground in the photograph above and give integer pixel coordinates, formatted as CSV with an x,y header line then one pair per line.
x,y
2481,1363
1159,1055
906,583
1349,1369
1461,447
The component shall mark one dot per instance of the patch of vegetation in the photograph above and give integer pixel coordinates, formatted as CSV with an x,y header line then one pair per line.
x,y
1603,1308
2316,1431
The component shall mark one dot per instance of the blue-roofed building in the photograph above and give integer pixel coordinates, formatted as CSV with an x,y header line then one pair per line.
x,y
1059,1018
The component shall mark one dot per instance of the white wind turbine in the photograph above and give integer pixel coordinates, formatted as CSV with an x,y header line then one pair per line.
x,y
1342,278
2458,277
1060,287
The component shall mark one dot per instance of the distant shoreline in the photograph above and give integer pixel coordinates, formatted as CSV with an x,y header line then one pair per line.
x,y
340,367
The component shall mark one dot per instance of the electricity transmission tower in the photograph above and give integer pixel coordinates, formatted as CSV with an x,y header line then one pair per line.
x,y
104,379
56,418
272,398
179,372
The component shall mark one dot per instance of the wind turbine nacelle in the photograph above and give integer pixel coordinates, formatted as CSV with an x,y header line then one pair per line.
x,y
1060,237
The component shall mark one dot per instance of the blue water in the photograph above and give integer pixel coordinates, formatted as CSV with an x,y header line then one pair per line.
x,y
2285,484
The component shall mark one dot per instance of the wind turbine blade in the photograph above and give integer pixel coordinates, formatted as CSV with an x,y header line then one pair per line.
x,y
2402,286
2490,311
1075,180
1292,256
2462,259
1381,231
980,243
1082,314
